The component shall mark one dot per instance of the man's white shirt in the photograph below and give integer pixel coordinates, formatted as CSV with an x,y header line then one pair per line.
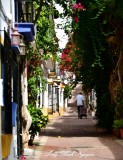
x,y
79,99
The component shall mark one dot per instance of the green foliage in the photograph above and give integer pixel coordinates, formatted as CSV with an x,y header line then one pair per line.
x,y
38,119
67,91
46,47
104,111
46,38
119,102
90,35
36,81
92,49
118,123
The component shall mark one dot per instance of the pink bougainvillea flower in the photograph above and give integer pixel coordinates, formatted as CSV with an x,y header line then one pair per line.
x,y
66,50
63,55
78,7
23,157
76,19
35,56
68,59
36,61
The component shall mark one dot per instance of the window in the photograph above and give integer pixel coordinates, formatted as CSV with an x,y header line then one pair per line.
x,y
24,11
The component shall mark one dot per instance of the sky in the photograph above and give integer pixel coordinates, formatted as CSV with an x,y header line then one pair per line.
x,y
63,38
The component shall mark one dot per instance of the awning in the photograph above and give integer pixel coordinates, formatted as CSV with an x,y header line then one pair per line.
x,y
15,49
27,29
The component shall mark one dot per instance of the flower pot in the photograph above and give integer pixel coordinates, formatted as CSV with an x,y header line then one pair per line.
x,y
121,133
116,133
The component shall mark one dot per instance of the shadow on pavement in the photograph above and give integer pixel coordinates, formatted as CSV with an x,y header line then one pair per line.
x,y
69,125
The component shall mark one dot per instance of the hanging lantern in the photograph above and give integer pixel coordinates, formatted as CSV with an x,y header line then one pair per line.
x,y
22,47
16,37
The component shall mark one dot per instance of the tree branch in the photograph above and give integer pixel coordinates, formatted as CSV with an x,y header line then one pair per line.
x,y
38,11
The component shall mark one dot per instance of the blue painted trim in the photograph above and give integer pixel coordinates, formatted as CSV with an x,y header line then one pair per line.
x,y
14,113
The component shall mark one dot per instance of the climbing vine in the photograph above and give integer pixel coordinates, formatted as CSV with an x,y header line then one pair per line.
x,y
93,51
46,47
95,28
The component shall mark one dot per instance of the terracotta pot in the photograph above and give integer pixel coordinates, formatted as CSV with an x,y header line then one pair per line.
x,y
121,132
116,133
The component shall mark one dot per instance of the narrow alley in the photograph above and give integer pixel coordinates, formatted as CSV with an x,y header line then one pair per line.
x,y
69,138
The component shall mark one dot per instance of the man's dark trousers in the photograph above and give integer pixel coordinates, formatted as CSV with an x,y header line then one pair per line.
x,y
79,111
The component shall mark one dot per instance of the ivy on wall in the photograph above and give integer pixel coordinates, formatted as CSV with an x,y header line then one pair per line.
x,y
46,46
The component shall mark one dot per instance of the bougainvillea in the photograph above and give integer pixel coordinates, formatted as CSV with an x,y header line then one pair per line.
x,y
94,24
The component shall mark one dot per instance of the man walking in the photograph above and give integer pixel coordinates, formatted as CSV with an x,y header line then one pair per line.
x,y
80,104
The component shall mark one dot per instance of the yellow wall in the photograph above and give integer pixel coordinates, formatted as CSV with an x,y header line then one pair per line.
x,y
1,40
45,111
6,145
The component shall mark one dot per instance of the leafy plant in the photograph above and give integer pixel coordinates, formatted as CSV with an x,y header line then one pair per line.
x,y
91,29
118,123
119,102
38,121
103,110
67,91
46,47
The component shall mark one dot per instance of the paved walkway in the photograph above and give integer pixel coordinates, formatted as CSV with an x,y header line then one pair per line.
x,y
69,138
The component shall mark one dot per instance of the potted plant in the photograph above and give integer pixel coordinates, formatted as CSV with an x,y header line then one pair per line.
x,y
38,121
118,127
121,128
118,122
